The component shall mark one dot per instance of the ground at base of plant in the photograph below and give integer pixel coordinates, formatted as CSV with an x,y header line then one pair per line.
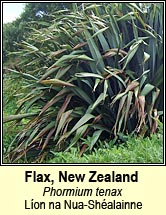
x,y
135,150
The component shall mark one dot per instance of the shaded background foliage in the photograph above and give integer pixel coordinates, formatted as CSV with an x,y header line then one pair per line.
x,y
95,69
19,29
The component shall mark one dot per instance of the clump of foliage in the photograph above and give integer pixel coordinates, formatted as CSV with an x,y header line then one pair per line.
x,y
96,71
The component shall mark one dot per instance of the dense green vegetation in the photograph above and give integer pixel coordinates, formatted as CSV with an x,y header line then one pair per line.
x,y
131,150
11,90
91,74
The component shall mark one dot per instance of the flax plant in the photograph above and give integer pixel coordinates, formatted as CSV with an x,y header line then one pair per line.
x,y
96,71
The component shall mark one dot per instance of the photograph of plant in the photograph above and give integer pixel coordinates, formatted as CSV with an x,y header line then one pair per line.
x,y
83,83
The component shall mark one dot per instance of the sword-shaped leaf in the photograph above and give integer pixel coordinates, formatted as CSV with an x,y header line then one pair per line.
x,y
120,114
82,94
63,121
43,131
127,109
95,138
82,121
131,53
147,89
79,133
94,51
57,83
97,81
56,98
98,100
115,75
86,75
18,117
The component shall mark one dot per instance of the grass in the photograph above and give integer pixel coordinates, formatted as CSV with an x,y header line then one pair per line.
x,y
11,88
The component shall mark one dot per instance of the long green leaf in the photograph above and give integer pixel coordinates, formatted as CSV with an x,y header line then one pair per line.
x,y
128,104
79,133
43,131
98,101
95,138
147,89
120,114
82,121
116,76
24,75
86,75
131,53
94,51
82,94
100,31
18,117
63,120
62,71
57,83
